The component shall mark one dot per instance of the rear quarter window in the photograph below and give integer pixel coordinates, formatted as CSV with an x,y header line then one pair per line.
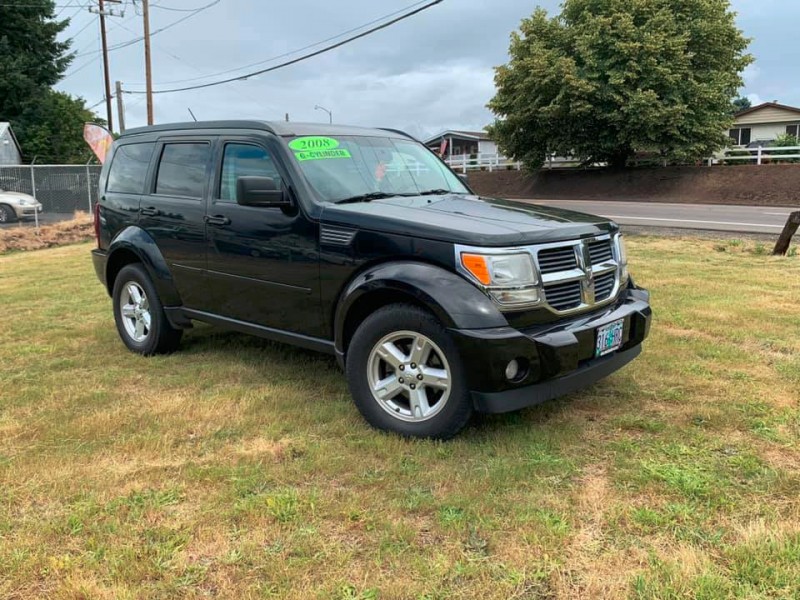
x,y
128,170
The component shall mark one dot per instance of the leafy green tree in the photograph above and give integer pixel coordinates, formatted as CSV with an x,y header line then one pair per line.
x,y
48,124
608,78
741,103
52,129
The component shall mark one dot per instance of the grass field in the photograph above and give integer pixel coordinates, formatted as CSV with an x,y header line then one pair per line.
x,y
237,468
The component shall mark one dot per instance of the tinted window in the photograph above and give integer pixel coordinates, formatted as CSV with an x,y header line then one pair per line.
x,y
241,160
129,168
182,170
793,130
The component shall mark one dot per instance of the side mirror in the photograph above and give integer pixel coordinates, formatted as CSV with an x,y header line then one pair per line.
x,y
260,191
463,177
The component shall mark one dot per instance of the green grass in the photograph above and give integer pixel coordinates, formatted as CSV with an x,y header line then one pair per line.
x,y
238,468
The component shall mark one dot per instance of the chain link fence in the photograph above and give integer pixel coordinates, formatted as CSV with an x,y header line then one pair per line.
x,y
62,189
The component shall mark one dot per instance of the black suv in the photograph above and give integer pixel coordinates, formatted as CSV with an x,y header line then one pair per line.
x,y
362,243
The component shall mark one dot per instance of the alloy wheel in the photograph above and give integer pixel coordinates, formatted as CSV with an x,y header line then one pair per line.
x,y
409,376
135,311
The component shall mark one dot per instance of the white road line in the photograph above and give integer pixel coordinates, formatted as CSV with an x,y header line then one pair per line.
x,y
694,221
779,214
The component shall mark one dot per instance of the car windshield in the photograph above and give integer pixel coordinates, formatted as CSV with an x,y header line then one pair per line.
x,y
363,168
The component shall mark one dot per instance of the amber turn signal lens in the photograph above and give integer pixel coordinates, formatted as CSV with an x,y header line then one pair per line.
x,y
476,264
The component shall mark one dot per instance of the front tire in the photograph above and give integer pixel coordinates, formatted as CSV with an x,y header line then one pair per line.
x,y
406,376
7,214
139,315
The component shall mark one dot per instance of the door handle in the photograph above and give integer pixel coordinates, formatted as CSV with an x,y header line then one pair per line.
x,y
150,211
217,220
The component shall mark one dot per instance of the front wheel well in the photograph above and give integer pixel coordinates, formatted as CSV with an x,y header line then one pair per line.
x,y
368,304
116,262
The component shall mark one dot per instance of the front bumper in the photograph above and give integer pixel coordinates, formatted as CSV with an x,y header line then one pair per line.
x,y
26,211
559,357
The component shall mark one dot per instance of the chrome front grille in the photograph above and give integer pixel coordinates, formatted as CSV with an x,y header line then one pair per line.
x,y
604,286
600,251
580,274
564,296
553,260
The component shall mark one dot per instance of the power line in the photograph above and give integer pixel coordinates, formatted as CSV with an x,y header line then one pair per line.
x,y
169,26
285,54
162,7
296,60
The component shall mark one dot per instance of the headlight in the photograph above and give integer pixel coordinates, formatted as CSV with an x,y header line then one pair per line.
x,y
622,257
509,277
25,202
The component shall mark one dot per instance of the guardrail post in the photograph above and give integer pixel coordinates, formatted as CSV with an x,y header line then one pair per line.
x,y
758,161
782,245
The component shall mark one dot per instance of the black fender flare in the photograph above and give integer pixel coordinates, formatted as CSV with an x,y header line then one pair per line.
x,y
136,240
452,299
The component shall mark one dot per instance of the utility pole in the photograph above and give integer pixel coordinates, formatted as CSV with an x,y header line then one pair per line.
x,y
106,76
101,11
120,107
148,70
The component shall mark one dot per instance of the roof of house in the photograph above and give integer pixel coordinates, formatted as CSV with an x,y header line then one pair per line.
x,y
6,126
764,105
459,133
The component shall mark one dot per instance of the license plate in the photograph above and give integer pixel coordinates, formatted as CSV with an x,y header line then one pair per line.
x,y
609,337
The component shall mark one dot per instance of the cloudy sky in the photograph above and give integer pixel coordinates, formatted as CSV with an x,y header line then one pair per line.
x,y
428,73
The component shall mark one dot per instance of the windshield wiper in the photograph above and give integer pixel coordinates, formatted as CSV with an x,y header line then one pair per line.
x,y
368,197
436,192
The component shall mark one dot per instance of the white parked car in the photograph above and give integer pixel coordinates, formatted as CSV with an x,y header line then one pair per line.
x,y
16,205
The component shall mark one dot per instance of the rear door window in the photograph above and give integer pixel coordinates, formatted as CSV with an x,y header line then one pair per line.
x,y
182,169
128,171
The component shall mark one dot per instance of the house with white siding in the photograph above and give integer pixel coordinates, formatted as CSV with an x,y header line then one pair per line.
x,y
459,142
10,153
761,124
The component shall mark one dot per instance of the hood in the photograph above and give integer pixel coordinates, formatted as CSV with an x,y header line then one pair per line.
x,y
465,219
15,197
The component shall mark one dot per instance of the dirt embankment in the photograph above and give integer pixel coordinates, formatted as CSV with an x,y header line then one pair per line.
x,y
79,229
773,185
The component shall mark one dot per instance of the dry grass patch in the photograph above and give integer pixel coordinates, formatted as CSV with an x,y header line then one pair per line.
x,y
237,468
74,231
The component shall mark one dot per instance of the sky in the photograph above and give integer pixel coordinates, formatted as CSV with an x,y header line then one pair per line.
x,y
431,72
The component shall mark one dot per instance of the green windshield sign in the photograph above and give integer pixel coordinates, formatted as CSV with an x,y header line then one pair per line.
x,y
313,142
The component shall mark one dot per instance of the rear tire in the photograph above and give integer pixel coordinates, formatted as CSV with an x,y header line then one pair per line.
x,y
139,315
406,376
7,214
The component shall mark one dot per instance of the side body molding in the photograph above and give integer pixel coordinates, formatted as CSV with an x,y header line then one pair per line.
x,y
453,300
136,240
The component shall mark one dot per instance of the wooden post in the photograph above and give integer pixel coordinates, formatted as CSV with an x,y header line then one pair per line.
x,y
782,245
120,108
148,71
106,79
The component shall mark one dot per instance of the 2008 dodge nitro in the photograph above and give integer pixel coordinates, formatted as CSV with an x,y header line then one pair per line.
x,y
362,243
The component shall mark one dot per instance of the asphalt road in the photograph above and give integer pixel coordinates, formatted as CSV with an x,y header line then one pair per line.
x,y
709,217
714,217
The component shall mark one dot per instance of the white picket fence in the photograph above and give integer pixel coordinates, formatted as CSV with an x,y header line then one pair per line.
x,y
759,156
496,162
